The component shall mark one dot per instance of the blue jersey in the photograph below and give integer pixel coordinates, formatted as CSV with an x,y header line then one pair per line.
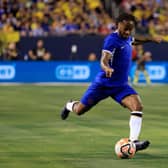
x,y
121,51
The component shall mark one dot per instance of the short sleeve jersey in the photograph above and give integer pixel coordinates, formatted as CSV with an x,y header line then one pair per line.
x,y
121,51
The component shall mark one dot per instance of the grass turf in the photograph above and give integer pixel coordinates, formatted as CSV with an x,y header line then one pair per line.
x,y
32,135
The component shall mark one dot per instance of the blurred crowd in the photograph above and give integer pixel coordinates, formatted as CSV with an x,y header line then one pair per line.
x,y
54,17
152,16
60,17
57,17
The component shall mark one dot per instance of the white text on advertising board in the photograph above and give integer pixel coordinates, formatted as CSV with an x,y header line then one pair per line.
x,y
72,72
7,72
157,72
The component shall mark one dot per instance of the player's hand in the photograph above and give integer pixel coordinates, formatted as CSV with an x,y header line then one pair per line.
x,y
109,72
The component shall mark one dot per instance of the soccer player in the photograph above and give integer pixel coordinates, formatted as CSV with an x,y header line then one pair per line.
x,y
143,57
112,80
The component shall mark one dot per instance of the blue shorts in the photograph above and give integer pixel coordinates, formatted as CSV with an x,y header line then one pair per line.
x,y
97,92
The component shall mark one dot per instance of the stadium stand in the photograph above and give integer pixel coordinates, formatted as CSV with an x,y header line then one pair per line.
x,y
42,18
49,17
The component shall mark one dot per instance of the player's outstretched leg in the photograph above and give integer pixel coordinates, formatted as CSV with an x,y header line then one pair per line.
x,y
135,128
133,103
141,145
67,109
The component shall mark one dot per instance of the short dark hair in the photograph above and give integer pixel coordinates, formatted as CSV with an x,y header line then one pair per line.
x,y
127,17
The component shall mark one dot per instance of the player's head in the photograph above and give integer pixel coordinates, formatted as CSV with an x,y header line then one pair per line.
x,y
125,24
147,56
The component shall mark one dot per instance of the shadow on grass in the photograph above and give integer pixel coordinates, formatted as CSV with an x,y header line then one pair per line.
x,y
149,156
111,155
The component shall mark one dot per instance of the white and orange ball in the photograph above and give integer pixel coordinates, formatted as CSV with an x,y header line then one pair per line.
x,y
125,149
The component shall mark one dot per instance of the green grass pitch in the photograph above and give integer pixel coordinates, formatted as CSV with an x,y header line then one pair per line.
x,y
32,135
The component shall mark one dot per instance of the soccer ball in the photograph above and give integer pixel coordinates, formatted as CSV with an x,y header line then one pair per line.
x,y
125,149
